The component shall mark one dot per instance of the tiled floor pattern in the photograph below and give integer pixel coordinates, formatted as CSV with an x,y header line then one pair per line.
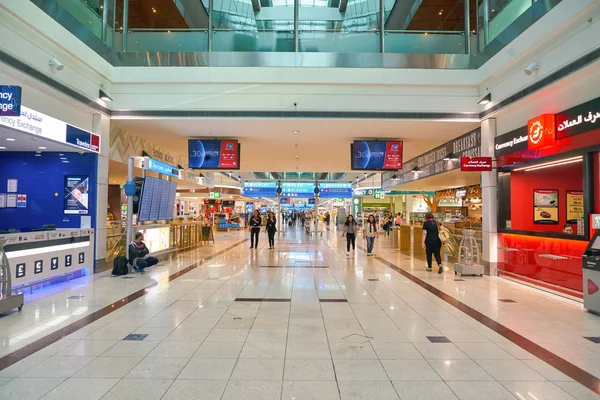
x,y
390,340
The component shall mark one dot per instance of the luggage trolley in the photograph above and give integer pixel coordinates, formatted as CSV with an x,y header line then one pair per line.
x,y
8,300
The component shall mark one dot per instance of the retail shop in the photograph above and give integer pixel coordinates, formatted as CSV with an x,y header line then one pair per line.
x,y
548,188
48,182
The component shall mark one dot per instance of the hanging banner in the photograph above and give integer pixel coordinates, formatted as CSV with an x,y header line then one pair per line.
x,y
356,207
574,206
545,206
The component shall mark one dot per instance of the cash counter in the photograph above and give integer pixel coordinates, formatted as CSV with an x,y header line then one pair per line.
x,y
38,257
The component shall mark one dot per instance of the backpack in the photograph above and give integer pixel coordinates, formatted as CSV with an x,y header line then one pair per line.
x,y
120,266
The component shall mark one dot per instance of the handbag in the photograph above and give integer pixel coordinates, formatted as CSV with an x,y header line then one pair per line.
x,y
442,234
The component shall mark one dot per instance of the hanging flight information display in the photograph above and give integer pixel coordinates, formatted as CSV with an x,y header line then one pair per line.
x,y
158,199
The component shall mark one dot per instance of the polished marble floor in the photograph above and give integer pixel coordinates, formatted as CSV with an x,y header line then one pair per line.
x,y
301,322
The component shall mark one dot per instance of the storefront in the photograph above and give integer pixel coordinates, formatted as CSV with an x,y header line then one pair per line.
x,y
48,183
548,188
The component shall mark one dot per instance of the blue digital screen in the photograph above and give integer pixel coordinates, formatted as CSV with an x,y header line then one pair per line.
x,y
213,154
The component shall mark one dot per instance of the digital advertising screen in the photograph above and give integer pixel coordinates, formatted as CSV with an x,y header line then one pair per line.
x,y
76,195
214,154
371,155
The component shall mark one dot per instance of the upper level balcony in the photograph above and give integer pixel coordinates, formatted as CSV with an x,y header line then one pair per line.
x,y
444,34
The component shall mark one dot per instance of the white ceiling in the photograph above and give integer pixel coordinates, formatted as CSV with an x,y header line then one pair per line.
x,y
446,180
321,145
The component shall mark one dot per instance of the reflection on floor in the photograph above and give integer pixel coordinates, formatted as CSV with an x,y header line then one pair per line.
x,y
300,322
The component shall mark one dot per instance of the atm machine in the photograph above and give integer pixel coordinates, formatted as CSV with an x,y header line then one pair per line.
x,y
591,275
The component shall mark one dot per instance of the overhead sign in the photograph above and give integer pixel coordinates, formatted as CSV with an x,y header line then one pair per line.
x,y
335,190
580,119
38,124
260,189
151,164
435,161
511,142
297,190
10,101
476,164
215,195
356,206
541,132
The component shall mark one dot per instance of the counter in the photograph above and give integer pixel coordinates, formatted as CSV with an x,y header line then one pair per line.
x,y
37,256
410,238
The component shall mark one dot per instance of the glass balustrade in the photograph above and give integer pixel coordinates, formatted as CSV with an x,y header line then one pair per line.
x,y
328,27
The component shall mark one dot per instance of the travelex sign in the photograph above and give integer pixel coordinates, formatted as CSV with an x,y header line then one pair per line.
x,y
38,124
157,166
10,101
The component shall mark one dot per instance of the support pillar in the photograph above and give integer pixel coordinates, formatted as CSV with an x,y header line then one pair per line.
x,y
382,26
101,127
125,23
489,200
296,32
467,26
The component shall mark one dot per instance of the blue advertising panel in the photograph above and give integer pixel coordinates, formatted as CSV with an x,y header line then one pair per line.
x,y
76,194
10,101
260,189
376,155
214,154
335,190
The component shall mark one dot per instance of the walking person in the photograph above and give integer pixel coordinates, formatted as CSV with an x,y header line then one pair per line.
x,y
271,228
431,242
370,233
350,228
255,224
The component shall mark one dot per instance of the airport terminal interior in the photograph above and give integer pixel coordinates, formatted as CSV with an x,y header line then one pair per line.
x,y
300,199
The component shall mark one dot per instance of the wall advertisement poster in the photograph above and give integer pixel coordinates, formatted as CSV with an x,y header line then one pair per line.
x,y
76,194
574,206
545,204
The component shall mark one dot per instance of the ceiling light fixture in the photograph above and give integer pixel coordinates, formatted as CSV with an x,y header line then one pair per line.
x,y
295,132
551,164
42,148
103,96
2,148
487,99
296,157
450,157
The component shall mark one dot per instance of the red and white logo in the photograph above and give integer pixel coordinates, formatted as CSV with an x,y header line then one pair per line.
x,y
541,132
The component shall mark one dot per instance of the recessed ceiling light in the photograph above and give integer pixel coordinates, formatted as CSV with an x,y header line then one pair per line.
x,y
295,132
2,148
42,148
296,157
10,139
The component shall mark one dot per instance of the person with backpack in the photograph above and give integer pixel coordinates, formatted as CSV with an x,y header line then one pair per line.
x,y
139,257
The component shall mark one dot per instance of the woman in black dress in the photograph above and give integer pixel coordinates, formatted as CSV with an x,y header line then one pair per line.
x,y
431,242
271,228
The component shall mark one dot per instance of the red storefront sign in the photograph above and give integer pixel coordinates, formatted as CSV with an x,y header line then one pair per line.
x,y
476,164
541,132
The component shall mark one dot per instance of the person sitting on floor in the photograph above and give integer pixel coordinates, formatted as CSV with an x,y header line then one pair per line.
x,y
139,254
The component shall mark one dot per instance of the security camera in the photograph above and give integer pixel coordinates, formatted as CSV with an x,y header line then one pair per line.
x,y
531,68
295,104
53,62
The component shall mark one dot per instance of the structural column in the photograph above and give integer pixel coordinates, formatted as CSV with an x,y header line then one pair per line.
x,y
489,200
101,127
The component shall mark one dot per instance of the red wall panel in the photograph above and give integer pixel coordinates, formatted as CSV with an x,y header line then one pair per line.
x,y
553,261
563,177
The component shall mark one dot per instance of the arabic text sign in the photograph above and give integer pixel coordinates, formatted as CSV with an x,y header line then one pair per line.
x,y
36,123
10,101
580,119
160,167
476,164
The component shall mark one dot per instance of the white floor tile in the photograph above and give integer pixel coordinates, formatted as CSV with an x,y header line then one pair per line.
x,y
252,390
537,390
510,370
219,350
195,390
308,370
357,370
131,348
108,367
81,389
356,351
28,388
146,389
175,349
480,390
396,351
263,350
424,390
367,390
460,370
157,368
58,367
410,370
88,348
310,390
208,368
258,369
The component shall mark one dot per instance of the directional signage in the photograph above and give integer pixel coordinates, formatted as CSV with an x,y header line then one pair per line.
x,y
335,190
158,166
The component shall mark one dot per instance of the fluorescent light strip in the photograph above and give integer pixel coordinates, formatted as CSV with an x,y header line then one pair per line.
x,y
553,165
550,163
43,250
